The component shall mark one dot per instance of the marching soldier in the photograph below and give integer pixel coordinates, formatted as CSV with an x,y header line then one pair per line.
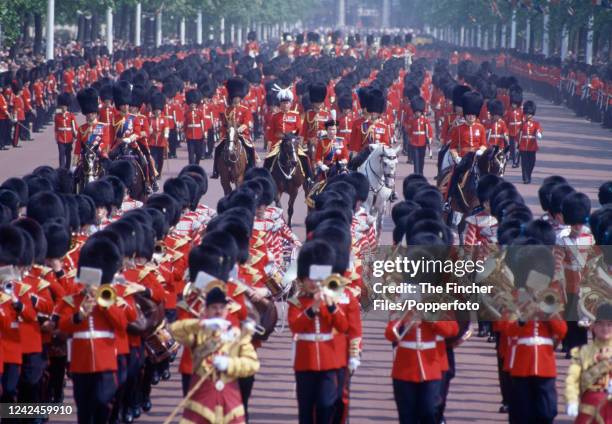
x,y
65,130
373,130
195,126
419,133
497,131
160,131
313,318
529,134
514,121
316,117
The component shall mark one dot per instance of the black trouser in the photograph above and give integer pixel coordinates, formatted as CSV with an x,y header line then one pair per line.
x,y
32,370
417,402
122,372
246,387
29,120
185,383
194,151
5,132
317,392
528,160
93,394
447,376
210,143
514,157
65,154
158,156
40,119
576,336
10,379
418,158
505,381
534,400
57,370
172,143
341,410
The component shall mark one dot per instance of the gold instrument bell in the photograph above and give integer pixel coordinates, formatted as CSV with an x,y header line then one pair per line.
x,y
106,296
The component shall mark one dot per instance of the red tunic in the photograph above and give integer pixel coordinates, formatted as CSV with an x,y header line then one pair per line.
x,y
497,133
528,136
419,131
468,138
65,127
283,123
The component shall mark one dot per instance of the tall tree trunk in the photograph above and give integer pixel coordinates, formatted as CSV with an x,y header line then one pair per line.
x,y
88,29
81,28
38,30
25,33
121,31
95,27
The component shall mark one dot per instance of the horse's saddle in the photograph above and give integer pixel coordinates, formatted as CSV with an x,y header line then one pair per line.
x,y
314,191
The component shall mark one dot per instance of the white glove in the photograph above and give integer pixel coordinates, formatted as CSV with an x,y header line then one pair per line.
x,y
221,362
126,140
338,151
479,152
353,364
215,324
572,409
457,160
324,167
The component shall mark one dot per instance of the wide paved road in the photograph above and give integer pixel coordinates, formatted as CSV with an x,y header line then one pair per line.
x,y
572,147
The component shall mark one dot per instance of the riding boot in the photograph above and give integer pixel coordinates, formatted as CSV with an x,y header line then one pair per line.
x,y
306,168
250,156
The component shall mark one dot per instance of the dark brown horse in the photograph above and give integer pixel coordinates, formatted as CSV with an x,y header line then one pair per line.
x,y
288,173
138,187
233,162
89,169
462,197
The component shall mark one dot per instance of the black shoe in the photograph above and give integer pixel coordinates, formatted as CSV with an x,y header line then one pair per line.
x,y
146,405
491,339
136,412
393,197
215,175
166,375
514,165
155,378
154,186
127,417
503,409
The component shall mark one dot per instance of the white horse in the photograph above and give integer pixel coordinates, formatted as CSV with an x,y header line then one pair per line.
x,y
379,168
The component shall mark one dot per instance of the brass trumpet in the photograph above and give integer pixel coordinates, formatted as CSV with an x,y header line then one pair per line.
x,y
106,296
332,286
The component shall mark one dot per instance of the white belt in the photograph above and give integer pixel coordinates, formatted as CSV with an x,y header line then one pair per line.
x,y
93,335
418,133
529,136
314,337
194,126
15,324
535,341
516,123
64,129
496,136
418,345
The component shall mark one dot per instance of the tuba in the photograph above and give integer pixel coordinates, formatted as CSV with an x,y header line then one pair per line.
x,y
595,289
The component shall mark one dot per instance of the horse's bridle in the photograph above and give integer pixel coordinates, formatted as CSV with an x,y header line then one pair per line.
x,y
288,175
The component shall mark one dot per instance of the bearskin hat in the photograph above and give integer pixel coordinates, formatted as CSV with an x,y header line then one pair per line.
x,y
314,252
158,101
106,92
139,96
64,99
88,100
122,93
317,92
458,92
417,104
495,107
45,206
312,37
251,36
58,239
472,103
38,237
211,260
385,40
529,108
575,208
122,169
193,97
516,95
376,101
12,244
236,87
101,192
557,195
102,254
86,210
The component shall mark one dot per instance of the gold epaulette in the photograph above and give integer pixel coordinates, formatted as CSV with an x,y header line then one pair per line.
x,y
143,273
71,274
121,302
240,287
234,307
133,288
180,242
24,289
69,300
4,298
43,284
